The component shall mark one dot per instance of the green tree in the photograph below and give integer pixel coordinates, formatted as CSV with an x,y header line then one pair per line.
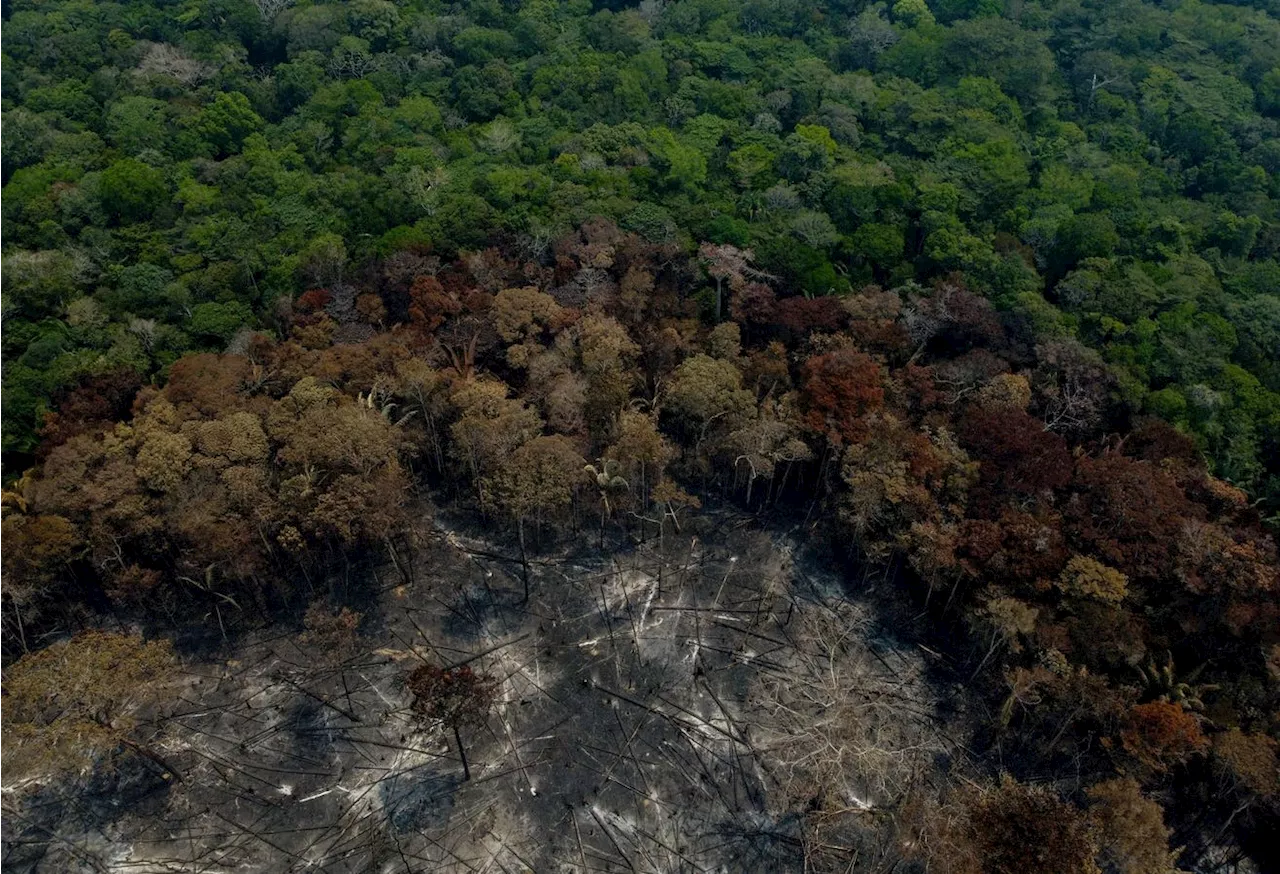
x,y
686,167
219,322
131,190
1269,92
750,165
37,284
809,150
136,123
30,136
913,13
224,123
882,245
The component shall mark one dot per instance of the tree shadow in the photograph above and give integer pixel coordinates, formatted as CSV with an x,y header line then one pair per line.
x,y
418,799
483,609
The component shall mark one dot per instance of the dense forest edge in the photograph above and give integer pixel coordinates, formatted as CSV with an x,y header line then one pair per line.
x,y
984,297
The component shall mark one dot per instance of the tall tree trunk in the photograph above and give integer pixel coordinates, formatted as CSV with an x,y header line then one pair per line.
x,y
395,560
662,551
524,560
996,640
462,753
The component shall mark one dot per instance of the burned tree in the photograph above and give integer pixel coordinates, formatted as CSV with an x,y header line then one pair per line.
x,y
455,697
538,478
73,706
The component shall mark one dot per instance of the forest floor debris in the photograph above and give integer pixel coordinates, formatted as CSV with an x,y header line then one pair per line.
x,y
710,709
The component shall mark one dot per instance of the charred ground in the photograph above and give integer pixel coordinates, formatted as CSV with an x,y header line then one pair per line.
x,y
683,711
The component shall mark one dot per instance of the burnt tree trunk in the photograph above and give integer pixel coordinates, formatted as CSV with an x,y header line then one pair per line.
x,y
462,753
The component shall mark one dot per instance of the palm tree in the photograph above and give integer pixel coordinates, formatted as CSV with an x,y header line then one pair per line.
x,y
606,481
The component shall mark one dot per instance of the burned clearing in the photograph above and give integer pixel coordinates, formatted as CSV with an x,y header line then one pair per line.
x,y
723,706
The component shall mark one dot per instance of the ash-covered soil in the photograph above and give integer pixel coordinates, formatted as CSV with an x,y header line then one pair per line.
x,y
724,706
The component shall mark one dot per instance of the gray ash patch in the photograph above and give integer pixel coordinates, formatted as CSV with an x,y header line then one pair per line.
x,y
477,610
710,709
418,799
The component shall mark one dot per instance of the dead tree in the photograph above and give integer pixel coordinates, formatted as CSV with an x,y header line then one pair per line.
x,y
454,697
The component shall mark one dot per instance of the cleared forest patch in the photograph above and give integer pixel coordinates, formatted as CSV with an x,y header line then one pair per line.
x,y
717,707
